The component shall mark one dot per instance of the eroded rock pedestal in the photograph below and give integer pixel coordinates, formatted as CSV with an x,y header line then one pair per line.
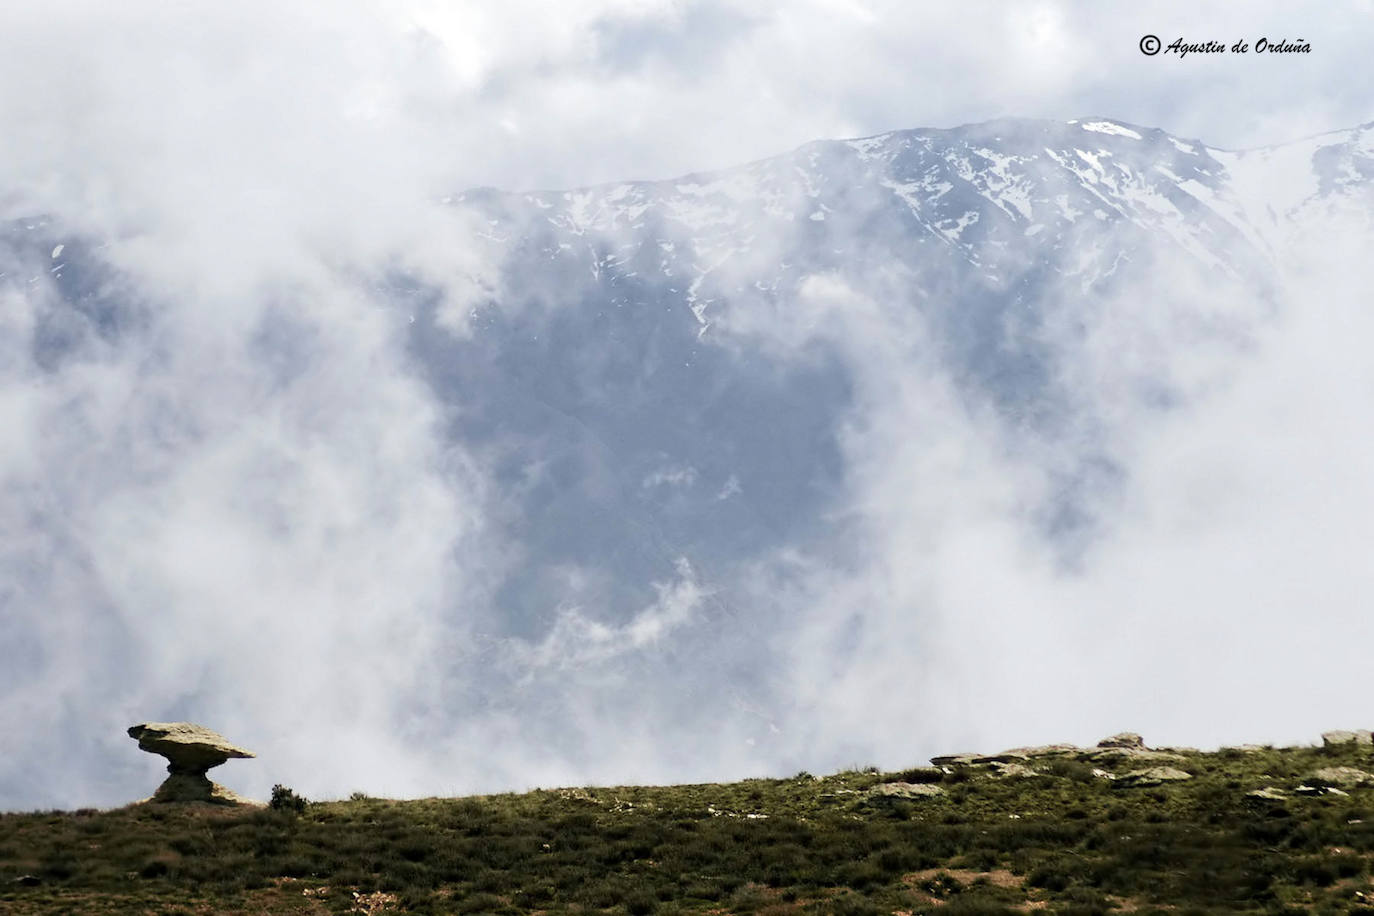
x,y
191,750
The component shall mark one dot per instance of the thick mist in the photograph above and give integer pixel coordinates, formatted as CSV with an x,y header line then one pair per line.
x,y
294,444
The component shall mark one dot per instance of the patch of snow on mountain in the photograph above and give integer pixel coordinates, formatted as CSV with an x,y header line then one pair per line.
x,y
1002,186
866,146
1107,127
958,226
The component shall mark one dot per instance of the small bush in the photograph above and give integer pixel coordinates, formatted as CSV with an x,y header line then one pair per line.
x,y
283,799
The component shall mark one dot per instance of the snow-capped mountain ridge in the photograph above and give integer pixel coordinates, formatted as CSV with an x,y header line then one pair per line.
x,y
996,196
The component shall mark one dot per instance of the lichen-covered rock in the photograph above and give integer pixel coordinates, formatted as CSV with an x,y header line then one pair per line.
x,y
1154,776
1014,771
1340,738
1127,753
896,790
1345,777
188,787
1123,739
191,750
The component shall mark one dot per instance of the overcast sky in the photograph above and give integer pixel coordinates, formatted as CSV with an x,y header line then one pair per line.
x,y
249,155
519,95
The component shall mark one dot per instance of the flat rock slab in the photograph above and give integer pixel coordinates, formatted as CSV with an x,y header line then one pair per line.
x,y
1123,739
1338,738
1045,750
1154,776
948,760
189,748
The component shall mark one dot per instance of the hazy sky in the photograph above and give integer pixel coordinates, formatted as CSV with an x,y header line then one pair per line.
x,y
250,514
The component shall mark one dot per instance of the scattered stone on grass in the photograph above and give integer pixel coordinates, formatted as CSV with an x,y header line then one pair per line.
x,y
1013,770
1153,776
1127,753
896,790
1345,777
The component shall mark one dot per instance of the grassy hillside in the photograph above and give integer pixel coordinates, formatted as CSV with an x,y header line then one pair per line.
x,y
1040,832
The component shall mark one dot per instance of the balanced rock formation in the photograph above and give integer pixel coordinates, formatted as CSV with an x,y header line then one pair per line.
x,y
191,750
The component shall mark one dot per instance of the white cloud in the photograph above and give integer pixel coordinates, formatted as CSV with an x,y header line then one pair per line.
x,y
239,504
1221,598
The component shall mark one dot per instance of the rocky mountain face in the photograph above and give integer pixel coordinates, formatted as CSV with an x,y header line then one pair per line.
x,y
663,369
683,355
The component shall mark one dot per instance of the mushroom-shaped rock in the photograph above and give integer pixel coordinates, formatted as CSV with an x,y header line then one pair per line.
x,y
191,750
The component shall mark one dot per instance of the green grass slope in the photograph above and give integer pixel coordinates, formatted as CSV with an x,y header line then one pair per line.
x,y
1054,833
